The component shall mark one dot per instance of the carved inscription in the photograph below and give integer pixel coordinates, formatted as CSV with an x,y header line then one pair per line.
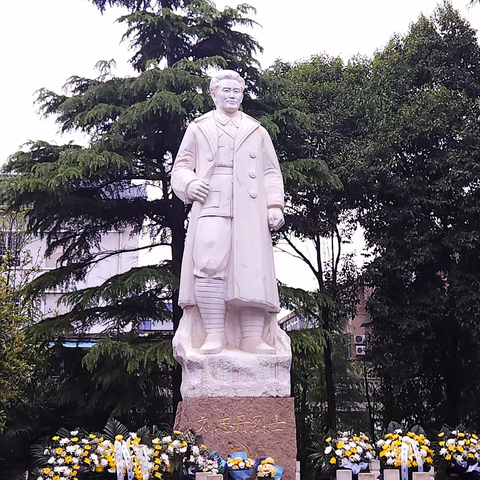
x,y
239,424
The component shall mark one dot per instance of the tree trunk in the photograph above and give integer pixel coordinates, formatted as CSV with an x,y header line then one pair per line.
x,y
178,243
330,386
452,380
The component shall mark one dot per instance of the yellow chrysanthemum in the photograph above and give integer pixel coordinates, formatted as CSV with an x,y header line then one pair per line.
x,y
441,434
329,439
119,438
333,460
75,439
56,438
177,432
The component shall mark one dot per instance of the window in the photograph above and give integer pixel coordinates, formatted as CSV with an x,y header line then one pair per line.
x,y
52,260
10,247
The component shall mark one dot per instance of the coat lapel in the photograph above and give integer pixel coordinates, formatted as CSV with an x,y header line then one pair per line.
x,y
247,126
208,127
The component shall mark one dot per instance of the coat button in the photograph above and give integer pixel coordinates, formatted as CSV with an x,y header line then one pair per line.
x,y
209,159
253,194
252,174
253,154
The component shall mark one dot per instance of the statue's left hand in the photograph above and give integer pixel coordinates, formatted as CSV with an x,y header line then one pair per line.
x,y
275,218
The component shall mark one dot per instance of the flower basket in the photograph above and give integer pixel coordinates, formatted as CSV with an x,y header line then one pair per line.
x,y
459,451
408,451
239,466
349,451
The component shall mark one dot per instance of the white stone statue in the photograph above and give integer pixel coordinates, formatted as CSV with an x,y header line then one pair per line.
x,y
227,167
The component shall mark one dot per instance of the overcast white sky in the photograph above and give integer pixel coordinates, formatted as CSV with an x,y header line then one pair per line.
x,y
46,41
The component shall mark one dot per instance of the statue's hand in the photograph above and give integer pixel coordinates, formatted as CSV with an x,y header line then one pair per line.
x,y
275,218
198,190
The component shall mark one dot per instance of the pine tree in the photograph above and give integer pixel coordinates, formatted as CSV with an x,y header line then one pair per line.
x,y
72,195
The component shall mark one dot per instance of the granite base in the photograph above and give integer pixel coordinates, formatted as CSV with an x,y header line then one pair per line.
x,y
261,426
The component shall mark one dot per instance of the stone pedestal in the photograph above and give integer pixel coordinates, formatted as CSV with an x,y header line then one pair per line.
x,y
391,474
366,476
233,373
261,426
343,474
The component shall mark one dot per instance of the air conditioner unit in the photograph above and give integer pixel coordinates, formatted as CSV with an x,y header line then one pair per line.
x,y
360,350
359,339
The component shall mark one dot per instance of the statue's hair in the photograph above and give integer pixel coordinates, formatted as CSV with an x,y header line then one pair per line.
x,y
226,75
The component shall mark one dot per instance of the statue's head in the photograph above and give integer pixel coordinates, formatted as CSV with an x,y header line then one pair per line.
x,y
226,89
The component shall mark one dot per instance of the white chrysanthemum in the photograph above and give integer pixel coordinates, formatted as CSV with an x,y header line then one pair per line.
x,y
450,441
381,442
84,441
103,462
70,448
328,449
454,432
443,451
166,439
63,441
390,461
339,452
73,433
359,449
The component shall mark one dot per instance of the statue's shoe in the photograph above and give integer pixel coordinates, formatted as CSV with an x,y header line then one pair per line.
x,y
256,345
214,343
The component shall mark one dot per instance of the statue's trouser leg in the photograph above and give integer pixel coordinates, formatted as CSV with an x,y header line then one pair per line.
x,y
211,256
210,293
252,320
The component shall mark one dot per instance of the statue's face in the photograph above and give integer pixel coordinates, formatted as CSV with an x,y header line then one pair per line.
x,y
228,96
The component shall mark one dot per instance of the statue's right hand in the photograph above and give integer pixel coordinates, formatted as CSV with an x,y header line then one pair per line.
x,y
198,190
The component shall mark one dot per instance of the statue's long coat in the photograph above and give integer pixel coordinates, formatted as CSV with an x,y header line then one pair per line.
x,y
257,185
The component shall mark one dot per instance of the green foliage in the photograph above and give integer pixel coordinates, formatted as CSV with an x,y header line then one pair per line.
x,y
136,358
113,428
419,205
72,195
